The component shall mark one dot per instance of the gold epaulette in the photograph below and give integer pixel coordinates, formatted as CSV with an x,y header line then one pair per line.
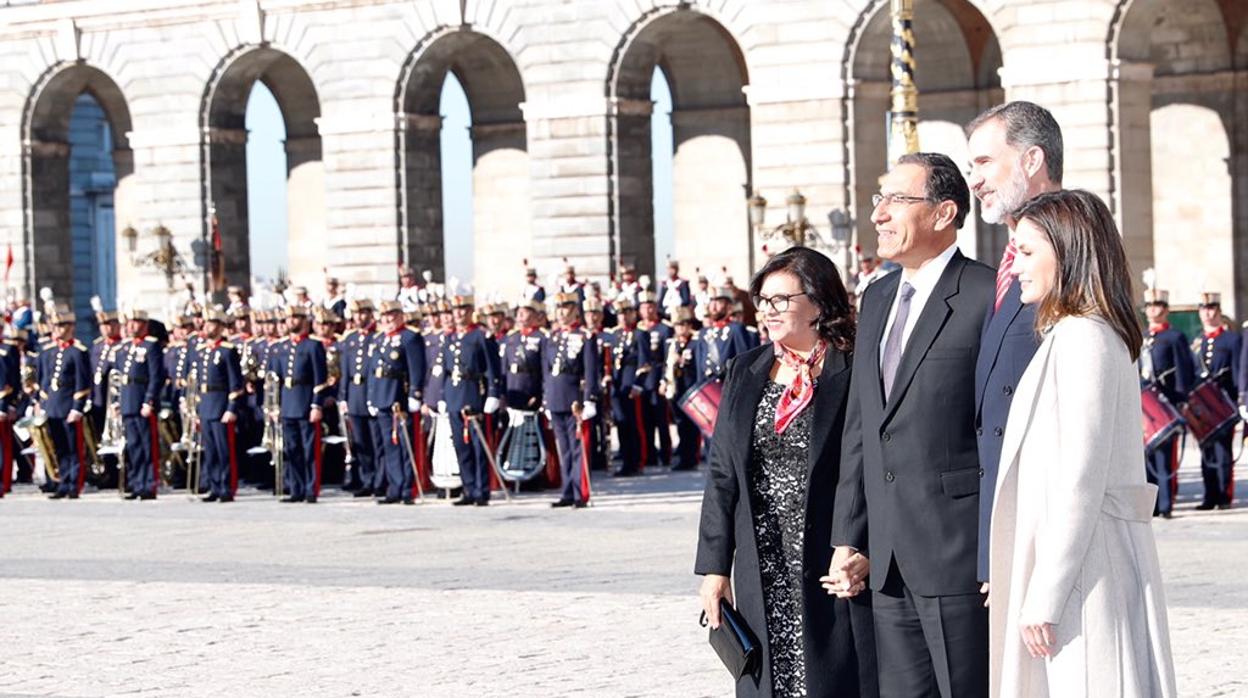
x,y
98,340
82,393
228,345
79,345
349,333
149,339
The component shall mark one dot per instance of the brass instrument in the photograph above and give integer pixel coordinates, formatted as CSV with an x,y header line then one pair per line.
x,y
113,435
170,460
251,364
671,371
189,443
333,363
41,443
272,440
30,384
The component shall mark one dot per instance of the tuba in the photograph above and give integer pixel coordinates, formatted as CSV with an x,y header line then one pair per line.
x,y
170,460
41,443
189,443
273,440
113,434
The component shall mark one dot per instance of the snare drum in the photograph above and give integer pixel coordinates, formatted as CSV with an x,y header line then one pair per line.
x,y
1209,412
1161,420
701,404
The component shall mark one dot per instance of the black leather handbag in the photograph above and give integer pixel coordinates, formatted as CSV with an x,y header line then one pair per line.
x,y
736,646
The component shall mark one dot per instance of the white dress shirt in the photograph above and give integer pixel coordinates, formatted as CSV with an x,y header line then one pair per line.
x,y
924,281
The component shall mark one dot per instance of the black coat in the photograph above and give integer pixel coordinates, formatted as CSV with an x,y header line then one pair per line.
x,y
909,488
837,655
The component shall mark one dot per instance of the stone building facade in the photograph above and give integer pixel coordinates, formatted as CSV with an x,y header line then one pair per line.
x,y
768,95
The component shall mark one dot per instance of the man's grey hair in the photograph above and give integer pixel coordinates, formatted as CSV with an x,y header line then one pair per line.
x,y
1026,125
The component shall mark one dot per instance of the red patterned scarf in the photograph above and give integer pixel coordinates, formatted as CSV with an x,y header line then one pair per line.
x,y
798,395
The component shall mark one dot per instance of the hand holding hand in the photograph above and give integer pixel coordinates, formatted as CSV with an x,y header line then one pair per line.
x,y
847,573
714,587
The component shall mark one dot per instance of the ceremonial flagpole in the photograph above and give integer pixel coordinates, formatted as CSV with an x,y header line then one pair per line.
x,y
903,116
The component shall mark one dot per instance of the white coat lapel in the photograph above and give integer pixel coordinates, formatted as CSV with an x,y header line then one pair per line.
x,y
1022,408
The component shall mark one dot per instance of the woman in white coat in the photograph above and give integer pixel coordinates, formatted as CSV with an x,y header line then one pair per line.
x,y
1076,603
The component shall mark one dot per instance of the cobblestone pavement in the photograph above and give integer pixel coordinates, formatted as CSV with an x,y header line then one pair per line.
x,y
175,598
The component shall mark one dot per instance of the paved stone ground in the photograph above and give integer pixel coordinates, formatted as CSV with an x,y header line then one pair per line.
x,y
101,597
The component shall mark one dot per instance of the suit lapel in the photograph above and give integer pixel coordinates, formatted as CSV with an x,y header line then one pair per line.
x,y
932,319
749,392
834,365
1022,408
874,335
994,337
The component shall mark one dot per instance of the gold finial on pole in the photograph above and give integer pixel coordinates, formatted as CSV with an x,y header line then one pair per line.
x,y
903,117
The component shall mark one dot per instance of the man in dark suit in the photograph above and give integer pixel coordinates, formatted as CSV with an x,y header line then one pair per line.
x,y
1016,154
908,492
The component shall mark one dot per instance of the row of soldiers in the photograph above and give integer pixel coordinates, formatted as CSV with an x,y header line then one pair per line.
x,y
1177,368
285,381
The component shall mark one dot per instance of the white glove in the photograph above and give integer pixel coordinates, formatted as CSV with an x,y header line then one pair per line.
x,y
589,410
491,405
514,416
373,411
441,406
413,406
635,391
1243,412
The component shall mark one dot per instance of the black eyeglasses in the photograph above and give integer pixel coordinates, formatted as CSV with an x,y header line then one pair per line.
x,y
778,303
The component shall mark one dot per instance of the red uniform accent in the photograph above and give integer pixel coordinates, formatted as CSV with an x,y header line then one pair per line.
x,y
495,484
229,440
585,489
81,448
316,459
6,461
554,478
155,451
422,457
641,431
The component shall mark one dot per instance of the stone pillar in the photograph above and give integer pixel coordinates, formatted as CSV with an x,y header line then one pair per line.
x,y
1131,86
501,211
635,182
50,229
306,242
422,170
868,146
227,158
711,182
1239,194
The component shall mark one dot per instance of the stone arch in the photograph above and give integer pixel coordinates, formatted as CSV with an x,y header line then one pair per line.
x,y
958,63
54,256
500,174
1175,69
224,160
707,73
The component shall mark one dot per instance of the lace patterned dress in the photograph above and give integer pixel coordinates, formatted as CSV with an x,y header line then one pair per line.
x,y
777,476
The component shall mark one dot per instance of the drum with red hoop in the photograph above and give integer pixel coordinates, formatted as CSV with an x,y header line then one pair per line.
x,y
701,404
1161,420
1209,412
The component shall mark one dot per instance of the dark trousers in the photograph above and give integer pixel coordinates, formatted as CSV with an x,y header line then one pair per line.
x,y
67,440
1162,469
393,461
301,449
1217,468
474,470
142,455
930,646
658,424
600,443
221,457
365,438
689,436
624,411
567,429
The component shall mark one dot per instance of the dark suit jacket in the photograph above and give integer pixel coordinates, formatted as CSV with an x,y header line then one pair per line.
x,y
1008,343
909,489
840,658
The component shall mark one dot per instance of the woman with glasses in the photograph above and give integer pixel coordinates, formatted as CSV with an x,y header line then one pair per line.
x,y
772,474
1076,605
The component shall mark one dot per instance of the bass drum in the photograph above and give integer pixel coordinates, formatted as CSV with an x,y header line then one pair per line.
x,y
522,452
445,473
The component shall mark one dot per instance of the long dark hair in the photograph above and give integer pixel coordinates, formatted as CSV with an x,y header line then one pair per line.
x,y
1093,275
821,282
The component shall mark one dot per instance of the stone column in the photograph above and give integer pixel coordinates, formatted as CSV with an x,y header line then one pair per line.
x,y
227,157
306,243
1131,88
711,182
422,169
635,182
50,234
501,212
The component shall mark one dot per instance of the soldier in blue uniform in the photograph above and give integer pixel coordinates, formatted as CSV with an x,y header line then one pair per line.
x,y
219,378
64,377
600,430
11,357
470,387
680,374
140,363
632,375
395,386
1165,362
570,367
674,292
521,354
657,421
533,291
101,354
299,362
1217,358
364,432
721,339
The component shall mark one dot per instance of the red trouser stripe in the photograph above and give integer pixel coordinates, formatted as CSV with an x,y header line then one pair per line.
x,y
553,476
641,432
421,455
1174,470
6,461
316,459
229,442
81,447
151,420
495,484
585,460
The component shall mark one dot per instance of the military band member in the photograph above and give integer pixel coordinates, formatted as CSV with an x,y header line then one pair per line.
x,y
681,374
570,284
101,360
11,358
409,290
299,362
219,380
395,392
470,388
721,339
1165,362
632,375
657,421
600,432
533,291
364,432
521,353
64,377
629,287
1217,359
674,291
140,363
325,330
571,365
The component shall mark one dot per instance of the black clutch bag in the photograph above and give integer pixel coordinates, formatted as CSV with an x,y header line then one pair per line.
x,y
734,643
